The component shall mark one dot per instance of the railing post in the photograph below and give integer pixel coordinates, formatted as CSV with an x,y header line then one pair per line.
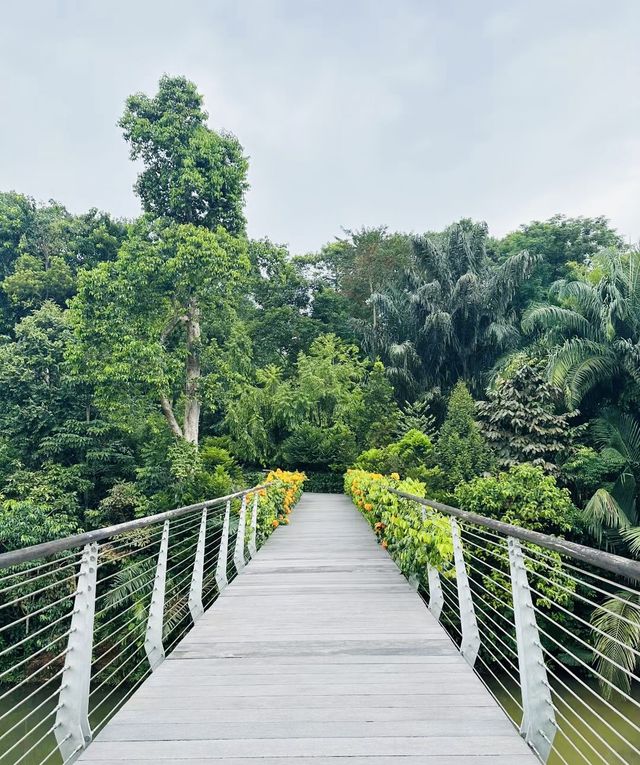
x,y
195,591
538,726
254,526
238,554
223,553
436,598
414,579
155,623
470,644
72,729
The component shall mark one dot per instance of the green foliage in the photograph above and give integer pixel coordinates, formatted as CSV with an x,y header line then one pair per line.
x,y
594,333
141,336
192,175
412,455
412,540
461,450
30,522
559,243
523,422
450,314
42,248
332,404
523,496
417,416
123,502
588,470
617,642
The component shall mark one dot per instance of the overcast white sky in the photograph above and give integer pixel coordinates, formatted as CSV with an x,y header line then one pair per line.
x,y
408,113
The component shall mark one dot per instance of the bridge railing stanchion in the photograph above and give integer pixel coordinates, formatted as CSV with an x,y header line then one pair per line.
x,y
223,553
195,590
72,730
238,554
470,644
254,526
153,639
538,726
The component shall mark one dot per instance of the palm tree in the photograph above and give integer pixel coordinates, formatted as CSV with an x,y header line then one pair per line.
x,y
596,327
450,314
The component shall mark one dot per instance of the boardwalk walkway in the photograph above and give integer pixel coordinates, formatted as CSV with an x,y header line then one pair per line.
x,y
319,653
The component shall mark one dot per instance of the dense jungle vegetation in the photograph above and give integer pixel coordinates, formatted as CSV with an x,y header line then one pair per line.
x,y
156,362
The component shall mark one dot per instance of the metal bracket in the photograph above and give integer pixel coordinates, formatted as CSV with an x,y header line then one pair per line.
x,y
153,639
72,729
195,591
223,553
254,526
436,598
238,553
538,726
470,644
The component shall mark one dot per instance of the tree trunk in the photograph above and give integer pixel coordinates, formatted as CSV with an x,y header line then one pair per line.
x,y
167,410
192,401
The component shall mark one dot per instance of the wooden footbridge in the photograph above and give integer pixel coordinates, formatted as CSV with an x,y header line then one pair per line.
x,y
319,652
173,640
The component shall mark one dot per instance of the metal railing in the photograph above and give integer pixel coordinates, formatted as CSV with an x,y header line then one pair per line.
x,y
553,630
84,620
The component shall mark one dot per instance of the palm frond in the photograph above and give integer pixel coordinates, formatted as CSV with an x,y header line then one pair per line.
x,y
619,619
561,320
602,514
632,538
618,430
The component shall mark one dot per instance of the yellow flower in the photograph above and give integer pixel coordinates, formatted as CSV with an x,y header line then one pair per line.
x,y
395,476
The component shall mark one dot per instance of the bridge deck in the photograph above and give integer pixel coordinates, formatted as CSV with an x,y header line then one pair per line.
x,y
320,651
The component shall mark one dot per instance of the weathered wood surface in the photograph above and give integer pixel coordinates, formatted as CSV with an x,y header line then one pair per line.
x,y
318,653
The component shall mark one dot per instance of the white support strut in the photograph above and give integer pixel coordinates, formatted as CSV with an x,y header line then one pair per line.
x,y
238,553
254,526
195,591
538,726
470,644
155,623
72,729
223,553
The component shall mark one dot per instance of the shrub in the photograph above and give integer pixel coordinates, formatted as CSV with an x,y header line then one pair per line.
x,y
411,456
280,495
330,483
523,496
461,450
412,540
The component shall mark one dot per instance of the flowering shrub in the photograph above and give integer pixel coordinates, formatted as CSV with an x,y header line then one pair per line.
x,y
280,495
412,541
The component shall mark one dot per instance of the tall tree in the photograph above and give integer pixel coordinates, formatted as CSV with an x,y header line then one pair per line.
x,y
191,174
594,333
523,418
452,315
147,323
558,243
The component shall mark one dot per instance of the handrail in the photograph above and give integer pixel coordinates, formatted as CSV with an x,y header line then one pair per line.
x,y
615,564
44,549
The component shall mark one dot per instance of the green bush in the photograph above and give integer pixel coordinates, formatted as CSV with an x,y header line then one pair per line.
x,y
330,483
461,451
411,456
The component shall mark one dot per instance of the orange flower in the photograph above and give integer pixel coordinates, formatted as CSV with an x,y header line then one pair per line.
x,y
384,544
368,506
275,523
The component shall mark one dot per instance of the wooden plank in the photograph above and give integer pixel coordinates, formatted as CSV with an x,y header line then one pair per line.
x,y
319,651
